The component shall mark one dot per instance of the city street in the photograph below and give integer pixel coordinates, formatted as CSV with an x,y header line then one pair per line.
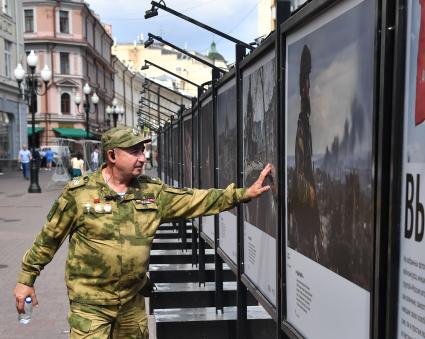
x,y
21,217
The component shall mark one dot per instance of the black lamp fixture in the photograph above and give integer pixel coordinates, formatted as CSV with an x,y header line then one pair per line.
x,y
29,89
152,37
148,42
150,13
154,12
94,100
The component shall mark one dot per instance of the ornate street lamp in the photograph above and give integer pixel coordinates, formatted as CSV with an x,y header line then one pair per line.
x,y
116,111
29,89
94,100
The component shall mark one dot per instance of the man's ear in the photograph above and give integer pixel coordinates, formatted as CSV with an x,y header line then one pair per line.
x,y
111,155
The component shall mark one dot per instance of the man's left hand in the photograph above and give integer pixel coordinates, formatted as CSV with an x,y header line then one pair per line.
x,y
257,188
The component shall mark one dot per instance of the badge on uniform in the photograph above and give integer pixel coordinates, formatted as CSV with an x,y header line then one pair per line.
x,y
53,210
87,207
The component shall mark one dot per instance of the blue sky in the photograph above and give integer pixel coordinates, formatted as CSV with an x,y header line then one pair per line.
x,y
237,18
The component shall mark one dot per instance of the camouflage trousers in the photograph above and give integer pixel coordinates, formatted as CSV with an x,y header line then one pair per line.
x,y
128,321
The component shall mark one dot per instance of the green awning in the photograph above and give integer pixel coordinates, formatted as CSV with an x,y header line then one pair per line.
x,y
77,133
37,130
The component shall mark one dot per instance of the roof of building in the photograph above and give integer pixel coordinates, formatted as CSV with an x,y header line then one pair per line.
x,y
213,53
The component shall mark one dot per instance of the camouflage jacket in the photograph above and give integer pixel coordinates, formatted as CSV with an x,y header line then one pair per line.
x,y
110,237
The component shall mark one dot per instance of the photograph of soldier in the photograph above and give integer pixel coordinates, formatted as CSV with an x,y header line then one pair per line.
x,y
110,218
304,202
329,144
207,145
260,139
187,153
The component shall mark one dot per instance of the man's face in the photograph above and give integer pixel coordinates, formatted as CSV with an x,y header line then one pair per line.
x,y
130,160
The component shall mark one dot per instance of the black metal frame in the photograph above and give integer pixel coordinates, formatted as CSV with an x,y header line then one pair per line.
x,y
202,61
195,22
155,103
229,77
147,62
160,96
149,82
380,176
396,167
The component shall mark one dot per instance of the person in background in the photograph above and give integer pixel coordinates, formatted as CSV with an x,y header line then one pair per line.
x,y
148,156
77,165
95,159
24,159
49,159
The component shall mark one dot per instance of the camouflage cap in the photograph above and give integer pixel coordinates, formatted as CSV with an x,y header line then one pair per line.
x,y
122,137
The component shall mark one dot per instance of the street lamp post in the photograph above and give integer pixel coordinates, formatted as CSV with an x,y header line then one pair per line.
x,y
94,100
29,90
115,110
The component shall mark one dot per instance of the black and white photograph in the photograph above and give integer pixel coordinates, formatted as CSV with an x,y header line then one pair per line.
x,y
260,148
207,144
227,162
260,141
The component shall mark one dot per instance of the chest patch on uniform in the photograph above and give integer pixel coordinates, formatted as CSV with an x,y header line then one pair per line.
x,y
53,210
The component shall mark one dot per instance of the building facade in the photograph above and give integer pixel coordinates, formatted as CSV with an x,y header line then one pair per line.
x,y
267,15
13,112
134,56
69,37
127,86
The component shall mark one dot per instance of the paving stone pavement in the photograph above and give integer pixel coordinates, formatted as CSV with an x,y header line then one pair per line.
x,y
21,217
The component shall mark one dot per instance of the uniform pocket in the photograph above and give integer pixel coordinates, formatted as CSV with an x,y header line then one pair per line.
x,y
146,218
79,323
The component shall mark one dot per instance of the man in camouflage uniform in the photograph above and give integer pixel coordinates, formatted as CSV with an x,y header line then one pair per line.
x,y
111,218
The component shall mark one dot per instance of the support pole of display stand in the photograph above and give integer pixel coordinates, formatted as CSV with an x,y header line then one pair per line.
x,y
241,290
217,259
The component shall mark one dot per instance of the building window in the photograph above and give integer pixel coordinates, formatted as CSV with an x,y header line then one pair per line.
x,y
29,20
6,8
7,58
64,21
5,136
65,103
64,62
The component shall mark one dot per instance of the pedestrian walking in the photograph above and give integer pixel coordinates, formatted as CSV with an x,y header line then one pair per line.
x,y
24,159
49,158
111,217
94,159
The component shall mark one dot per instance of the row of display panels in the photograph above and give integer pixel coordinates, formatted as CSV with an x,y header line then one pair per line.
x,y
329,171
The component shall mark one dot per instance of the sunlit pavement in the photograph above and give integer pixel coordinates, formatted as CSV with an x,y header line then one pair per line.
x,y
21,217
